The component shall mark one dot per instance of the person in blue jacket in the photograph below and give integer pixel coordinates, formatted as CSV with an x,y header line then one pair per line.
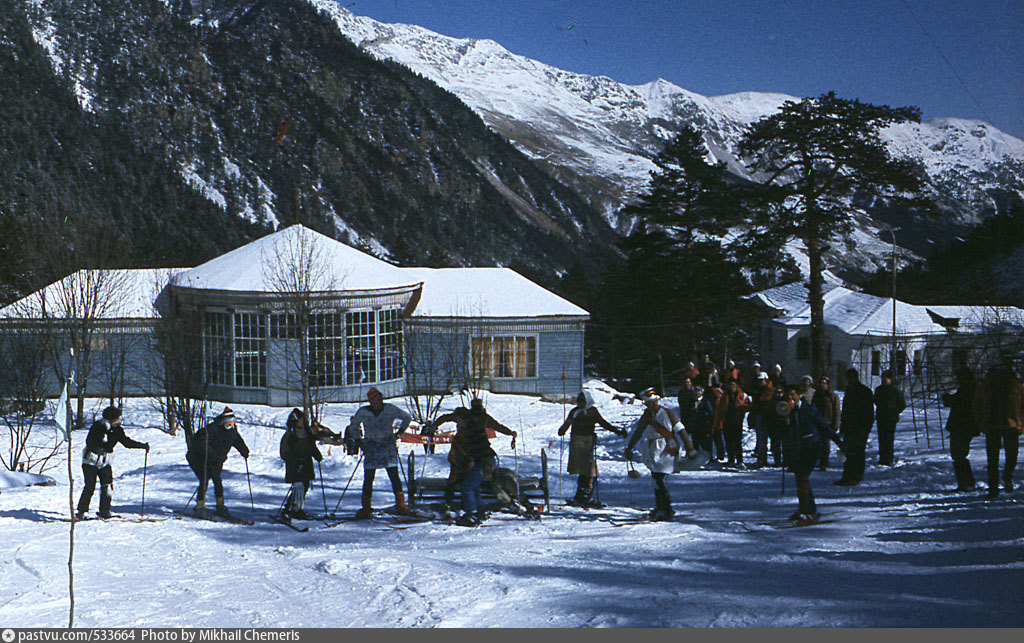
x,y
805,431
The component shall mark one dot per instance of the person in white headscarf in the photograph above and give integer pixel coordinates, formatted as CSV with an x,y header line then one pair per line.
x,y
659,433
583,420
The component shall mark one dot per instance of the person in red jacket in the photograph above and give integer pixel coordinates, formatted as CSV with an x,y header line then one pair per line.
x,y
729,412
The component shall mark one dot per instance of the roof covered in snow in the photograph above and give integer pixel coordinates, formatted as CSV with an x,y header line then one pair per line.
x,y
857,313
486,292
263,266
122,294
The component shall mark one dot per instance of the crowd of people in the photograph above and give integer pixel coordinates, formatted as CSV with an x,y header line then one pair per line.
x,y
795,423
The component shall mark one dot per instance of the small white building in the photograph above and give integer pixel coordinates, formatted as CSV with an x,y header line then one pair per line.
x,y
861,331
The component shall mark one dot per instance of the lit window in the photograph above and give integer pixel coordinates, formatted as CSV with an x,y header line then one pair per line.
x,y
504,357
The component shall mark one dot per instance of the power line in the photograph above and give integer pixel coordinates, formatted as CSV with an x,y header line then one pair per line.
x,y
948,63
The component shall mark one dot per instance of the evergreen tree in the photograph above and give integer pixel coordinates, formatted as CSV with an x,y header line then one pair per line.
x,y
679,292
812,158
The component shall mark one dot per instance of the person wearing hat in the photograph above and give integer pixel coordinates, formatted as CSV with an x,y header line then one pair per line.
x,y
377,426
999,412
889,403
97,457
208,451
659,432
583,419
827,402
298,450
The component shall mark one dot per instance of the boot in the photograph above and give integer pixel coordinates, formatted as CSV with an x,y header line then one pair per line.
x,y
467,520
964,475
366,511
104,502
200,507
221,509
400,507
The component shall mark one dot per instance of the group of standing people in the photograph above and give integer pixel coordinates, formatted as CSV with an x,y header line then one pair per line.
x,y
794,422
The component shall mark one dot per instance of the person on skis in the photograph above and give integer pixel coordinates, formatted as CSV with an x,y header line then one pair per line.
x,y
298,450
377,427
472,458
104,434
208,451
659,433
805,429
583,419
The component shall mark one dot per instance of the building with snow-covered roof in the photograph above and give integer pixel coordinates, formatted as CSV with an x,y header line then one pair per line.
x,y
365,322
865,332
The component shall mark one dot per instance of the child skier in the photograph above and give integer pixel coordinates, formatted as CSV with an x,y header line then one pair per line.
x,y
298,449
104,435
208,451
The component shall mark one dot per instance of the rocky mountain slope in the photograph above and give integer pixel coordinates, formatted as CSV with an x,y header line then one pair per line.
x,y
271,114
599,136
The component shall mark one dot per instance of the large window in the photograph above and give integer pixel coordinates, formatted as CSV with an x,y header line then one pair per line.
x,y
504,357
361,346
217,348
390,332
250,350
326,349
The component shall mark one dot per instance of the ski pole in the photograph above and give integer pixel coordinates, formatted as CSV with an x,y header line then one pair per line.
x,y
247,479
561,451
322,491
343,491
145,465
287,497
191,497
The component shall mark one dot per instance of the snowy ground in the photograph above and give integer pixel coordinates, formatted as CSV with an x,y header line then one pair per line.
x,y
909,554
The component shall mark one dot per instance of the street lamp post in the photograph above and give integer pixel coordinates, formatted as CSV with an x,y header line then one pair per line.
x,y
892,350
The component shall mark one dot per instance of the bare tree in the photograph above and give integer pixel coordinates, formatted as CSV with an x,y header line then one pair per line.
x,y
301,274
435,366
24,365
176,361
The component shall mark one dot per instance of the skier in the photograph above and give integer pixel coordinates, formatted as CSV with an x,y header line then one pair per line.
x,y
889,403
962,427
729,412
472,459
298,449
377,427
208,451
805,429
583,419
104,435
999,411
827,402
660,433
855,419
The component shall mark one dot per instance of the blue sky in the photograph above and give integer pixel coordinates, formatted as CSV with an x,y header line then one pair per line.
x,y
873,50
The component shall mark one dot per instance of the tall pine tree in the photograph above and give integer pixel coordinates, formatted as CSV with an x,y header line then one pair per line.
x,y
811,158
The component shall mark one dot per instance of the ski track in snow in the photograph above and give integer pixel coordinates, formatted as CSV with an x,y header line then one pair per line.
x,y
908,553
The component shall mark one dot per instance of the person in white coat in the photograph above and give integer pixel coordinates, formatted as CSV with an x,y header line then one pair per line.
x,y
377,428
659,433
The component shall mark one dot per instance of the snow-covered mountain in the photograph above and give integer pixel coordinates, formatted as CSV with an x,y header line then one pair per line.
x,y
599,136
